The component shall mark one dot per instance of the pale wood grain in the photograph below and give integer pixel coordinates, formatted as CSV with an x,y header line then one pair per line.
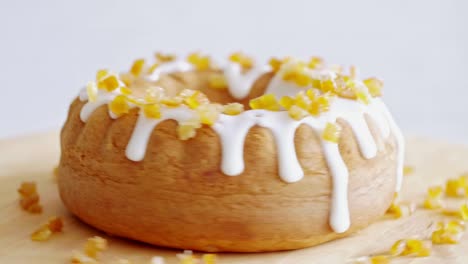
x,y
33,158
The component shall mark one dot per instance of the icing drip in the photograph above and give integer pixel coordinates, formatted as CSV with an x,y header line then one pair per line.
x,y
239,83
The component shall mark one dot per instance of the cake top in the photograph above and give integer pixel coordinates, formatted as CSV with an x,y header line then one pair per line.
x,y
302,88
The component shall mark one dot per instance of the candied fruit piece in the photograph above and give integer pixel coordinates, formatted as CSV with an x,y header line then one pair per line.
x,y
464,212
199,62
119,105
403,210
448,233
29,198
218,82
137,67
315,62
42,234
187,129
302,100
153,94
233,108
286,102
101,74
172,102
109,83
126,91
94,246
297,113
327,86
417,247
331,132
275,64
312,94
27,189
80,258
407,170
398,247
297,74
153,67
162,57
209,258
244,61
433,203
380,259
362,96
374,86
435,192
92,91
208,113
152,111
193,99
267,102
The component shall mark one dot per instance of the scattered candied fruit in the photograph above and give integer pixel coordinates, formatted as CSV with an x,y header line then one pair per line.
x,y
378,259
109,83
331,132
153,67
243,60
94,246
199,62
92,91
297,113
29,198
54,225
434,198
457,187
464,212
233,108
362,96
152,111
137,67
162,57
218,82
417,247
374,86
448,233
172,102
267,102
119,105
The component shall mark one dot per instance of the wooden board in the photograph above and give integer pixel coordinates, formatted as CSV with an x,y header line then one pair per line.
x,y
33,158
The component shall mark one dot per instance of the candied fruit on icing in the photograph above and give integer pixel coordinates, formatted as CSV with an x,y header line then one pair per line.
x,y
417,247
137,67
455,188
218,82
243,60
163,57
275,64
297,113
380,259
101,74
267,102
374,86
464,212
233,108
193,98
94,246
327,86
109,83
187,129
209,258
153,94
209,113
315,62
433,203
398,247
126,90
448,233
172,102
119,105
153,67
331,132
286,102
152,111
92,91
297,74
199,62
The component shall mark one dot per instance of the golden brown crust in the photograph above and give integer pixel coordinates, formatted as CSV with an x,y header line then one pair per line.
x,y
178,197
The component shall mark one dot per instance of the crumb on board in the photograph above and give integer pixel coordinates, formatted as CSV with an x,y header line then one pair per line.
x,y
54,225
29,198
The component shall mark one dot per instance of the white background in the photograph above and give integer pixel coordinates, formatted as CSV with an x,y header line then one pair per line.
x,y
49,49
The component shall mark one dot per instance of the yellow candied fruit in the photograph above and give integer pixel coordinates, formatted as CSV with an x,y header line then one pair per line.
x,y
233,108
297,113
315,62
320,105
209,258
218,82
267,102
41,234
137,67
109,83
407,170
152,111
153,94
435,192
380,259
193,99
286,102
209,113
126,91
92,91
448,233
119,105
200,62
393,205
417,247
165,57
433,203
327,86
101,74
275,64
398,247
297,75
94,246
187,129
153,67
331,133
464,212
374,86
172,102
312,94
455,188
243,60
403,210
302,100
362,96
80,258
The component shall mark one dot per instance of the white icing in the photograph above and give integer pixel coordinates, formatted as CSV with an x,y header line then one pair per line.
x,y
170,67
232,131
239,83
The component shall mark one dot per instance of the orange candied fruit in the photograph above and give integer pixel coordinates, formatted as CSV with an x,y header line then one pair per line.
x,y
29,198
94,246
108,83
331,132
137,67
233,108
200,62
165,57
152,111
119,105
267,102
243,60
44,233
218,82
374,86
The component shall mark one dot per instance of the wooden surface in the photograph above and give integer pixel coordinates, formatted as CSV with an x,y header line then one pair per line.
x,y
33,158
